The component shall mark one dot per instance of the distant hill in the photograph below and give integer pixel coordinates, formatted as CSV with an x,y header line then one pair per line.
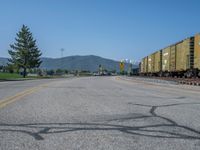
x,y
89,62
3,61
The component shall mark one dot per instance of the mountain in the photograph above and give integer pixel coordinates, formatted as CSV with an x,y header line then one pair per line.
x,y
3,61
89,62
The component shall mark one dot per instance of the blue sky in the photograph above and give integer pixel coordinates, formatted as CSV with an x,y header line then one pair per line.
x,y
115,29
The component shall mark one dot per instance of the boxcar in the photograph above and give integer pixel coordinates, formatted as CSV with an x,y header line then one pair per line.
x,y
158,61
166,59
172,60
146,65
151,59
197,52
183,56
180,59
142,66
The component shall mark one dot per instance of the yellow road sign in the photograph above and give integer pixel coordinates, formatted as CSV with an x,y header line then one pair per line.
x,y
121,66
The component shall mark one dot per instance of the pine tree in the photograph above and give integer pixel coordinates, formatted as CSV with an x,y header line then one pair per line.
x,y
25,53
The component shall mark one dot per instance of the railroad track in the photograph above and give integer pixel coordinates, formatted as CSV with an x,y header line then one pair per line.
x,y
187,81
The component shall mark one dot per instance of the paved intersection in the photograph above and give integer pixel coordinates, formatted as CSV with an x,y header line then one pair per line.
x,y
99,113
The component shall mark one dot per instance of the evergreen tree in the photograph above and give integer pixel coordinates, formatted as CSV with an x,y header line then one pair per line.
x,y
25,53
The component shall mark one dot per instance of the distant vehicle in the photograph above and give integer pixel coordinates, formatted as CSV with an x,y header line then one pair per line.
x,y
95,74
32,74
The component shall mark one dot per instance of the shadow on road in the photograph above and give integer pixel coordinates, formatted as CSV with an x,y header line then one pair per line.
x,y
163,128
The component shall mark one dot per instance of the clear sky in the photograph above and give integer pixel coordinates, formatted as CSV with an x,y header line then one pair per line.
x,y
115,29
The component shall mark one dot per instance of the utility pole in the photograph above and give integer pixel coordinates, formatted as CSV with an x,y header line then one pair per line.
x,y
62,50
61,61
130,67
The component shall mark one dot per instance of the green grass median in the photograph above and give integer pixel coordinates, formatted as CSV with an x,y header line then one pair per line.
x,y
9,76
18,77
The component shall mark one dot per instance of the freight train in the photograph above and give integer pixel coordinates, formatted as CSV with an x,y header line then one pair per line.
x,y
181,59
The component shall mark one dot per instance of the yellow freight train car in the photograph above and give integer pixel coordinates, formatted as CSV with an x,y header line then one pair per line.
x,y
157,61
197,53
166,59
184,55
144,66
180,59
172,61
151,59
154,63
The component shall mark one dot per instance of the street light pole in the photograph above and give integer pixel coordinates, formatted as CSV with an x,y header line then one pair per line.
x,y
61,61
62,50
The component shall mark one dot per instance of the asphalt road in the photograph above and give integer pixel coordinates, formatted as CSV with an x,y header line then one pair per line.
x,y
98,113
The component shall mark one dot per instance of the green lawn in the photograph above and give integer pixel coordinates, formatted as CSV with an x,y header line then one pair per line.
x,y
8,76
15,76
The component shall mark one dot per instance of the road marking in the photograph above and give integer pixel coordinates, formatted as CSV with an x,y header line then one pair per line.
x,y
4,102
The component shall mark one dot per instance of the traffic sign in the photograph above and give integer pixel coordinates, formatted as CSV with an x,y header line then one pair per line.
x,y
121,66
